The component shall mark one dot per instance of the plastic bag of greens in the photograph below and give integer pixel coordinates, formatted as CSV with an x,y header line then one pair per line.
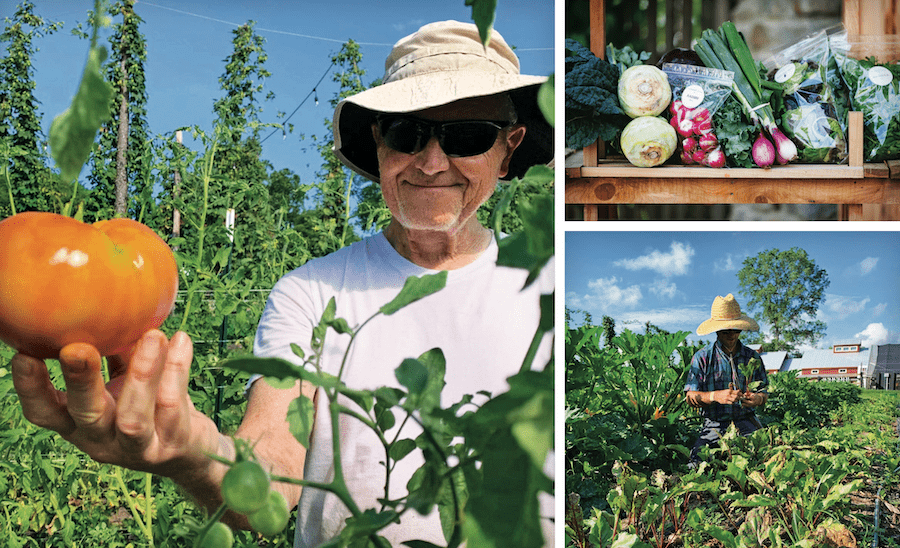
x,y
808,105
869,66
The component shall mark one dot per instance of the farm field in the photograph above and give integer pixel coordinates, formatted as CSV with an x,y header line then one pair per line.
x,y
822,472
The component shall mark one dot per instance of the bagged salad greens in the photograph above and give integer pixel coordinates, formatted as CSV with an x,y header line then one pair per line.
x,y
870,67
809,103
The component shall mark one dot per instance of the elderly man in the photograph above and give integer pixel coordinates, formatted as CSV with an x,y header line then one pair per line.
x,y
715,384
451,118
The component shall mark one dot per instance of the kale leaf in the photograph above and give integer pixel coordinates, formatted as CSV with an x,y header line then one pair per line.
x,y
592,103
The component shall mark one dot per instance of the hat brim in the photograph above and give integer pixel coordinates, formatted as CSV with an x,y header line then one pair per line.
x,y
354,116
744,323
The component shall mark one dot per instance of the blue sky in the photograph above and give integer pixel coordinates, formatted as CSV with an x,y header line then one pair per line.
x,y
188,40
670,278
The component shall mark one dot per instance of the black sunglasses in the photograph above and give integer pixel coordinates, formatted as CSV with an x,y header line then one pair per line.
x,y
458,138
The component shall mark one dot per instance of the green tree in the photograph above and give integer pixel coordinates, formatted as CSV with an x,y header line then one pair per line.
x,y
786,288
239,174
121,165
609,330
27,183
330,223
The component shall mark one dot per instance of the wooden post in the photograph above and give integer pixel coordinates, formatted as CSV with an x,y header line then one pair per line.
x,y
872,18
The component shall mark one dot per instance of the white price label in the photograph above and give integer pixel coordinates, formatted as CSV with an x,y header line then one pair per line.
x,y
880,76
692,96
784,73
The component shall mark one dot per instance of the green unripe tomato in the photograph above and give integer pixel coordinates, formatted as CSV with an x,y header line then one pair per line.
x,y
218,536
272,518
245,487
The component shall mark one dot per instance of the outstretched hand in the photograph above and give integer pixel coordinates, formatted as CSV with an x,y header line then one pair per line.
x,y
142,418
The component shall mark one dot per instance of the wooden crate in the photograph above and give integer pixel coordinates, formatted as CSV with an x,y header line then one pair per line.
x,y
863,191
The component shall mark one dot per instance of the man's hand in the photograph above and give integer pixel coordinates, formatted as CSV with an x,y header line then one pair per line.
x,y
703,399
727,396
142,419
753,399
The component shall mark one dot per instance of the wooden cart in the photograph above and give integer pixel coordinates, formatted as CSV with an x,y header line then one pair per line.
x,y
864,191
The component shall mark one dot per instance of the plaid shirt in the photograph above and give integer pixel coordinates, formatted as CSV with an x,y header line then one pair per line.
x,y
711,369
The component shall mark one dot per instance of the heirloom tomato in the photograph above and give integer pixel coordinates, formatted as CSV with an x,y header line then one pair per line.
x,y
63,281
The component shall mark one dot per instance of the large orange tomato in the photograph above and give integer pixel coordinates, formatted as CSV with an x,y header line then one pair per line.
x,y
64,281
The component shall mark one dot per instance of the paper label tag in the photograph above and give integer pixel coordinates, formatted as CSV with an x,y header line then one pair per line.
x,y
692,96
880,76
784,73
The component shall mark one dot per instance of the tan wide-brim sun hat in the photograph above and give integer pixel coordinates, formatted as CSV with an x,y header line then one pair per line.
x,y
440,63
726,314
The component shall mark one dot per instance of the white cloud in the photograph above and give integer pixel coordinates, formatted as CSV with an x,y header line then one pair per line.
x,y
728,263
675,262
671,319
867,265
605,294
839,307
663,288
875,334
879,309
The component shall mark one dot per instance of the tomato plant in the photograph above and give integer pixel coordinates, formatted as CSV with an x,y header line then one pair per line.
x,y
272,518
218,536
66,281
245,487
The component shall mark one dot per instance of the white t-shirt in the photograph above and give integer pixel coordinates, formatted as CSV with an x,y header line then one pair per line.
x,y
482,321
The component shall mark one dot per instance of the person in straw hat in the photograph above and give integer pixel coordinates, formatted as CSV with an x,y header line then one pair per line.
x,y
715,384
451,118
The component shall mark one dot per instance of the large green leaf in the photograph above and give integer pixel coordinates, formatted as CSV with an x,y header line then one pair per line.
x,y
72,132
415,288
483,13
300,416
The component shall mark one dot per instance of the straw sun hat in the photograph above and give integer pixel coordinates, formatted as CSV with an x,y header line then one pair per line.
x,y
441,63
726,314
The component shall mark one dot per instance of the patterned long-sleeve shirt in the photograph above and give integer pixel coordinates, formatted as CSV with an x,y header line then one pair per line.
x,y
713,369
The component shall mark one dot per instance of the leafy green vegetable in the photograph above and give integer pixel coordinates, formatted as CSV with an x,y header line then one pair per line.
x,y
626,57
747,371
735,134
807,102
592,104
879,101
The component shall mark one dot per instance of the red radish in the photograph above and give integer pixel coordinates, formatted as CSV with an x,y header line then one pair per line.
x,y
702,126
763,151
686,157
715,158
685,127
698,156
708,142
701,114
689,144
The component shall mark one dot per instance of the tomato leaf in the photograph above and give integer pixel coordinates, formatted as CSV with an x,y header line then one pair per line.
x,y
546,100
483,13
415,288
72,132
301,413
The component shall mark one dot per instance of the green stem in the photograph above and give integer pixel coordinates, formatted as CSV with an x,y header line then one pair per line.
x,y
12,203
217,515
148,507
148,533
201,228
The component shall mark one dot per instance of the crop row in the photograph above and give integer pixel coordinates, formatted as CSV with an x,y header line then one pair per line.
x,y
809,478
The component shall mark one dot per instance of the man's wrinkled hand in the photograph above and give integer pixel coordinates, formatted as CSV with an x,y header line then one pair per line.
x,y
142,418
